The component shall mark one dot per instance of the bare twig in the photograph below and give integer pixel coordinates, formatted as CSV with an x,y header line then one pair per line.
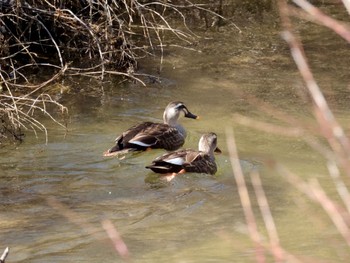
x,y
102,31
316,193
4,255
339,183
331,209
117,242
268,127
338,27
347,5
330,128
276,249
244,196
116,239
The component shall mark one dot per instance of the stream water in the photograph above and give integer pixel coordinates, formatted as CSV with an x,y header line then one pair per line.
x,y
194,218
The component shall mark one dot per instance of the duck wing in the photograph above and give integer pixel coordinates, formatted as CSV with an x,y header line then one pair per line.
x,y
123,144
190,160
158,135
173,162
135,137
202,163
149,135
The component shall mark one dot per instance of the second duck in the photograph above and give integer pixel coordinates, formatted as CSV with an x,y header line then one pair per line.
x,y
189,160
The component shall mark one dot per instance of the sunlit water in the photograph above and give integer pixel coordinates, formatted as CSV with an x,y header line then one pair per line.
x,y
194,218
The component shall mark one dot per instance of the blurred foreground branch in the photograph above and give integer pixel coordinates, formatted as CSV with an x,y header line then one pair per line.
x,y
314,191
4,255
244,196
280,254
330,128
337,155
115,238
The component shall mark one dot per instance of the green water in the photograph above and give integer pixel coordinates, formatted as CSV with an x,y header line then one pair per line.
x,y
195,218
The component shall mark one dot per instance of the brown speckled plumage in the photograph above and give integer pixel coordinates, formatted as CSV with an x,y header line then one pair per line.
x,y
168,135
189,160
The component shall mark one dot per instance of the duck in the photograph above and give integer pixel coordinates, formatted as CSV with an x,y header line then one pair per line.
x,y
169,135
189,160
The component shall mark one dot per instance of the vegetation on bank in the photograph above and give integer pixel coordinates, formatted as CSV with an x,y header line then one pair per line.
x,y
86,38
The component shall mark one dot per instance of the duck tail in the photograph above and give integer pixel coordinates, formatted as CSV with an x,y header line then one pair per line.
x,y
113,151
164,168
116,151
115,148
158,169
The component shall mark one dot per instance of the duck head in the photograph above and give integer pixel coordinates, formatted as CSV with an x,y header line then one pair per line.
x,y
208,143
173,110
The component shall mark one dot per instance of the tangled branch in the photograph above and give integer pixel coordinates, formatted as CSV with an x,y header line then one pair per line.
x,y
90,38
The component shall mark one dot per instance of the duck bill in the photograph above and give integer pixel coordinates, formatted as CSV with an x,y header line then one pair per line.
x,y
217,150
188,114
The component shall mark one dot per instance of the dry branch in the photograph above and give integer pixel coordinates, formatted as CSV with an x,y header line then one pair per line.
x,y
4,255
329,126
244,196
85,38
338,27
314,191
116,240
276,249
279,253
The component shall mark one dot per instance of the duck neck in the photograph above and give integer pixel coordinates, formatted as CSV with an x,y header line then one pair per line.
x,y
170,117
181,129
171,122
205,148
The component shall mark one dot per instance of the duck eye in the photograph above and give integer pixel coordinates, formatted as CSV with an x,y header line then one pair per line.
x,y
179,106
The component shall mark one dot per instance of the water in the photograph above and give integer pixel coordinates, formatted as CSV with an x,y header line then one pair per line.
x,y
195,218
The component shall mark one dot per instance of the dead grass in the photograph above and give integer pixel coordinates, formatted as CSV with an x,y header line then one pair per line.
x,y
336,153
78,38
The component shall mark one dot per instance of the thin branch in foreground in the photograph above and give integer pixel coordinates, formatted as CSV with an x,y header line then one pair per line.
x,y
268,127
244,196
277,113
347,5
116,239
330,128
331,209
276,249
117,242
338,27
4,255
314,191
339,184
298,131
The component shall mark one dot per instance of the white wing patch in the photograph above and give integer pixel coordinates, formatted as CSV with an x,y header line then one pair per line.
x,y
140,143
176,161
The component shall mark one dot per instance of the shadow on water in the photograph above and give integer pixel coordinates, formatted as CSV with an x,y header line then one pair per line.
x,y
195,218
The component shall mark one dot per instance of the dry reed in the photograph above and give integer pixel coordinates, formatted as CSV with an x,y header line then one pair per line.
x,y
4,255
78,38
336,154
116,240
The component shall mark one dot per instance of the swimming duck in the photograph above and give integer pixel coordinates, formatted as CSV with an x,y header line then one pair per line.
x,y
168,135
189,160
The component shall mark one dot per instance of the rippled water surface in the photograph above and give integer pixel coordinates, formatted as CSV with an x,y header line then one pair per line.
x,y
195,218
